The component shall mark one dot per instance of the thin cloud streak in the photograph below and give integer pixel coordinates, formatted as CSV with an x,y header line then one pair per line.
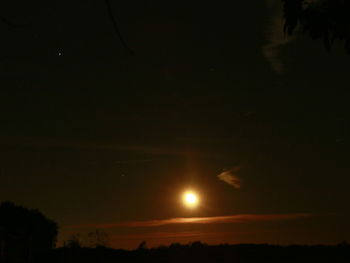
x,y
168,235
152,151
231,219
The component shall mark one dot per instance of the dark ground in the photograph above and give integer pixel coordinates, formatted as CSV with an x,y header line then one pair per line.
x,y
198,252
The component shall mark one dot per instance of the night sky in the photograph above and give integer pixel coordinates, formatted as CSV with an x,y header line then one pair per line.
x,y
95,137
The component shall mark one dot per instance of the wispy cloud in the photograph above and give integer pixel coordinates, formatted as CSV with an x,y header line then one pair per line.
x,y
231,219
149,151
275,36
231,177
167,235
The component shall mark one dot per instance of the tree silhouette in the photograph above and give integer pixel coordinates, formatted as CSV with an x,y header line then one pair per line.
x,y
328,20
98,238
142,246
74,241
27,229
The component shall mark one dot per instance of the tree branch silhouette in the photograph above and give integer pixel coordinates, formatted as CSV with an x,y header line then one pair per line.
x,y
10,23
116,27
328,20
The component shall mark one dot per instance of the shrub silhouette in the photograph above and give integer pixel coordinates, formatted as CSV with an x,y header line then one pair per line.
x,y
98,239
19,225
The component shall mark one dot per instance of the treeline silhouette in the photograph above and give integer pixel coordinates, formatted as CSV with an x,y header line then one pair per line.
x,y
27,236
202,253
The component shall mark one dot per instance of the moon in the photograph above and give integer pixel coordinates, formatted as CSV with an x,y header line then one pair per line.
x,y
190,199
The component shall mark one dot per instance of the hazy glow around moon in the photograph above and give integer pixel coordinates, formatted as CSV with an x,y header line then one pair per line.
x,y
190,199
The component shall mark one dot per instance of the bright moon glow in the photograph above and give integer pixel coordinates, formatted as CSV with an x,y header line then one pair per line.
x,y
190,199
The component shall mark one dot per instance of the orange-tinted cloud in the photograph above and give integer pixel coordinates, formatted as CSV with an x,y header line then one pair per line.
x,y
243,218
230,177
